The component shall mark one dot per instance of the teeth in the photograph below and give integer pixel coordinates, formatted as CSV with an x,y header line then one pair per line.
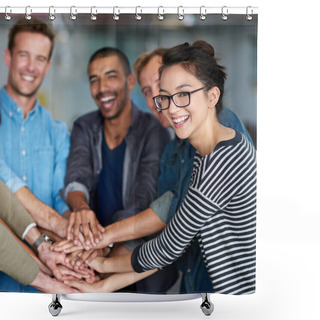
x,y
106,99
28,78
180,120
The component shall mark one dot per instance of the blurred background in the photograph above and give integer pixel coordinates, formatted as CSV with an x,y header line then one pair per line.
x,y
65,91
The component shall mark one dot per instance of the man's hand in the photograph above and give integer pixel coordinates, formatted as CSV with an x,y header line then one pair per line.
x,y
51,259
84,221
47,284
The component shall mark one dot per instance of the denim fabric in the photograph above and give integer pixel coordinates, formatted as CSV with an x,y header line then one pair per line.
x,y
175,172
33,153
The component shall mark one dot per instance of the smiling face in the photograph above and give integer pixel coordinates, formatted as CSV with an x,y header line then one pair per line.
x,y
150,85
109,86
195,121
28,63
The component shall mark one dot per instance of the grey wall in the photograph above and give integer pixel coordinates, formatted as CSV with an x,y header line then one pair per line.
x,y
65,91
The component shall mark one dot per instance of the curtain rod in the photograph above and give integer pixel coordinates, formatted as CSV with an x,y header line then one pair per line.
x,y
116,11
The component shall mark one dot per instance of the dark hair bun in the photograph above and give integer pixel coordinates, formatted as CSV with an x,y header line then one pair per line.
x,y
205,47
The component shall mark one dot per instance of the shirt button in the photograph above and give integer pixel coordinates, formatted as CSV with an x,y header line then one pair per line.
x,y
23,152
189,270
10,114
22,129
24,178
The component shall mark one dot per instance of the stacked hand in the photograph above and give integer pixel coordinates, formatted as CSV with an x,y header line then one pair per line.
x,y
84,228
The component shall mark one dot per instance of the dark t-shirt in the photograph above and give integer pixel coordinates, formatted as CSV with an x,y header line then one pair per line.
x,y
109,192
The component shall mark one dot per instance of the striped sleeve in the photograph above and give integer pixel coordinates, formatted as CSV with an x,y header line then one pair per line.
x,y
219,208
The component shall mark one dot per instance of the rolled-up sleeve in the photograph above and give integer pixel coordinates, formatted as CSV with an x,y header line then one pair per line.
x,y
8,176
12,212
161,206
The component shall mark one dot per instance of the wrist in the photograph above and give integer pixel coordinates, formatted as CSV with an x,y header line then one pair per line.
x,y
107,236
42,243
43,247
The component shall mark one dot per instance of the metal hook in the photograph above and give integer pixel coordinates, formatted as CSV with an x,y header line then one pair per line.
x,y
203,13
93,15
73,13
249,15
28,13
138,16
116,15
160,15
52,10
180,13
6,15
224,13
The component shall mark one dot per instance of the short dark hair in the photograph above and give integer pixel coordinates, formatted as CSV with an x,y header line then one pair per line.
x,y
35,26
109,51
144,59
198,59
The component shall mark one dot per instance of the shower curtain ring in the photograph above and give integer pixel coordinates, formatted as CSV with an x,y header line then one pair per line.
x,y
203,13
224,13
93,15
138,15
116,14
28,13
160,15
73,13
249,15
180,13
7,10
52,10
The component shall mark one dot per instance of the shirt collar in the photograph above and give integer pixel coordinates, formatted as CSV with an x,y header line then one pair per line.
x,y
8,104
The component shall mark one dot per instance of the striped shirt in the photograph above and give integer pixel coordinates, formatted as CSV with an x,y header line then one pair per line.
x,y
220,210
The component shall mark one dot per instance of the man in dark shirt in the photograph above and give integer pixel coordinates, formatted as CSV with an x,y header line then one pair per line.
x,y
114,159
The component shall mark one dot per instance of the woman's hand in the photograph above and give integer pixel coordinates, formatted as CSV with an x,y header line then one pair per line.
x,y
85,286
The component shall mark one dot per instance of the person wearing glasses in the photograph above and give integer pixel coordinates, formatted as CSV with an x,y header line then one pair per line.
x,y
219,208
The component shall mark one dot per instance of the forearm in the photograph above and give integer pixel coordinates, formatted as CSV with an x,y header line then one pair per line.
x,y
121,280
77,200
117,264
138,226
44,215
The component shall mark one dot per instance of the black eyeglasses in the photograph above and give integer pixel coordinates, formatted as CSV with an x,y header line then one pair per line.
x,y
180,99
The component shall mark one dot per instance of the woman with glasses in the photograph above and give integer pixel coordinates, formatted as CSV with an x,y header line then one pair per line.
x,y
220,206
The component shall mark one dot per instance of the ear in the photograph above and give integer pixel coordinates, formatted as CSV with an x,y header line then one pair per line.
x,y
7,57
131,80
48,66
213,96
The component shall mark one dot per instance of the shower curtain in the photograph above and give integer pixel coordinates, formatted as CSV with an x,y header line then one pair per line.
x,y
66,93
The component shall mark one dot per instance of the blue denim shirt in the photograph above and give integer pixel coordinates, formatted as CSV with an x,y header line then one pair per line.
x,y
33,153
175,172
